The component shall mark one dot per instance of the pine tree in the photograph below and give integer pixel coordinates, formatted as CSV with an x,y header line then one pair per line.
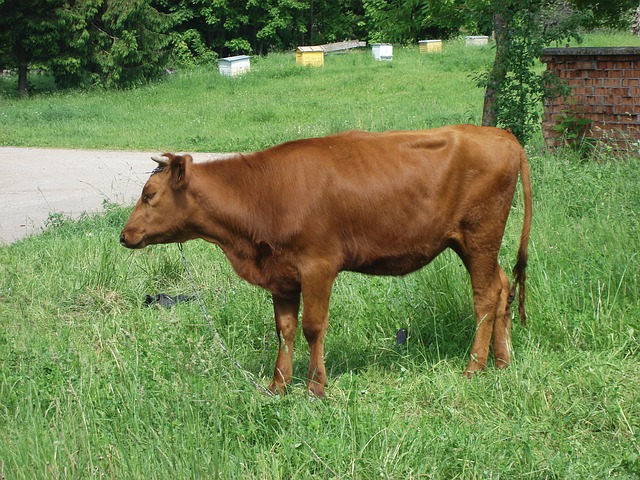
x,y
30,32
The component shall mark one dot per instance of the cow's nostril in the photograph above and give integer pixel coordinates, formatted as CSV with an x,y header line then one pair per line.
x,y
122,239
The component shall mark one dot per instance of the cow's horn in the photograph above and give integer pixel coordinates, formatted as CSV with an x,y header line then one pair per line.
x,y
162,160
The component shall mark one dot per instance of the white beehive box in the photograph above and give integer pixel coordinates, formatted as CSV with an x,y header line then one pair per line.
x,y
231,66
474,40
382,51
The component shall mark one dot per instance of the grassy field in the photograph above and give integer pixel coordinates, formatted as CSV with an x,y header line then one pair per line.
x,y
93,384
204,111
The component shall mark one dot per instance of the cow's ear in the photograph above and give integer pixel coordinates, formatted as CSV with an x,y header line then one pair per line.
x,y
179,171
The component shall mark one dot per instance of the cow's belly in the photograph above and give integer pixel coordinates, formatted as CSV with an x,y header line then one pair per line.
x,y
393,265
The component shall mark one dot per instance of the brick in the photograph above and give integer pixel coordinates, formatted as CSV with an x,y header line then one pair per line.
x,y
597,74
621,64
622,92
585,65
626,110
593,82
595,100
582,90
619,100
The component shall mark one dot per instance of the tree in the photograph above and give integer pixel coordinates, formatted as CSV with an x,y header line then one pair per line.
x,y
30,32
113,43
332,21
513,89
405,21
612,13
106,42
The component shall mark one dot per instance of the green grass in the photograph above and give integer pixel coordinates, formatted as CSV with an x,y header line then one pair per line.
x,y
200,110
94,384
607,38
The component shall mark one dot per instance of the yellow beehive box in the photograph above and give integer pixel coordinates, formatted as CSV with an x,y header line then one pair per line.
x,y
313,56
430,46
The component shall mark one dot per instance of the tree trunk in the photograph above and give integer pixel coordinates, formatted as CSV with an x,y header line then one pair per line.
x,y
497,74
311,23
635,24
22,79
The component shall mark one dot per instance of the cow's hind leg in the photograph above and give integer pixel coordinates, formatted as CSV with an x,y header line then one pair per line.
x,y
487,287
502,326
286,315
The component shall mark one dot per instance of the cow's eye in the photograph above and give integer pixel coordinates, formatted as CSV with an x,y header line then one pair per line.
x,y
148,197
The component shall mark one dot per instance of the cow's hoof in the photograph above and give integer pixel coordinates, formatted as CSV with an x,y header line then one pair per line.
x,y
316,390
501,364
277,388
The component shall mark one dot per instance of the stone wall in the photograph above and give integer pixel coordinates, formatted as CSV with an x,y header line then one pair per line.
x,y
604,96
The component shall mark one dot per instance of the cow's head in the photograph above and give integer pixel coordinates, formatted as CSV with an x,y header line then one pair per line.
x,y
162,212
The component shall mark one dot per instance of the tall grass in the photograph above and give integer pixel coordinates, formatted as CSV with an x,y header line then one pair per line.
x,y
95,384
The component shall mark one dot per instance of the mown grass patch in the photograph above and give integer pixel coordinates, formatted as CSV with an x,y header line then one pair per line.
x,y
200,110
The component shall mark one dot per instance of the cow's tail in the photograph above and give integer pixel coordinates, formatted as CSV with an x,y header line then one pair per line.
x,y
519,270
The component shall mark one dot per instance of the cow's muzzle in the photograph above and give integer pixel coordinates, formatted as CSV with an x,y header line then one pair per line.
x,y
125,241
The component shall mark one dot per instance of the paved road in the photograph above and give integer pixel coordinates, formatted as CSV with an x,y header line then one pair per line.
x,y
35,182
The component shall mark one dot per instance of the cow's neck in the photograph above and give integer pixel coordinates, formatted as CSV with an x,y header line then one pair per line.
x,y
227,212
224,209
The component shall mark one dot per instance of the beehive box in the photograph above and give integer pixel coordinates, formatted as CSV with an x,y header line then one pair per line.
x,y
312,56
231,66
475,40
382,51
430,46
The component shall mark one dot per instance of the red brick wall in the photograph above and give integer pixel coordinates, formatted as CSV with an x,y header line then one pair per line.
x,y
604,88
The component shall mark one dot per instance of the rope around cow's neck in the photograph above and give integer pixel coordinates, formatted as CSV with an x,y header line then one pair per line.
x,y
214,332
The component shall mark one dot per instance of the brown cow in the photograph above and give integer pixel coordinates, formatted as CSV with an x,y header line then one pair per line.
x,y
291,217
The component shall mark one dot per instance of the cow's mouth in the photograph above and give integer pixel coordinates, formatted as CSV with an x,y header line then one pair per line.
x,y
125,241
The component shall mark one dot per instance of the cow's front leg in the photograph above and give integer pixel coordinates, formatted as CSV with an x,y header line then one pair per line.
x,y
286,315
316,291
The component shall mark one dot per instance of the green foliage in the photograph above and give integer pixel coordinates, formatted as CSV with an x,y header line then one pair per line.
x,y
118,44
122,43
189,50
332,21
409,21
31,32
112,43
614,14
228,27
573,128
